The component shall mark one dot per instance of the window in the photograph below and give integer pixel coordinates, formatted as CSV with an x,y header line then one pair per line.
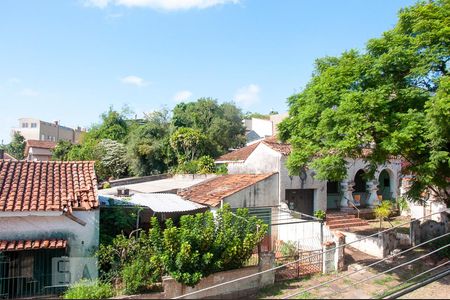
x,y
332,187
24,125
33,125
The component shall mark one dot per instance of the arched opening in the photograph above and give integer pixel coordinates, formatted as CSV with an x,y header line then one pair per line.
x,y
359,189
384,186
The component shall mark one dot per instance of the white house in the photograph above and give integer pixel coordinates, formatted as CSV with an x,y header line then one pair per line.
x,y
49,225
305,193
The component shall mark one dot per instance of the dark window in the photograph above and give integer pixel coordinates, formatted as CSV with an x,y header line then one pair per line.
x,y
332,187
360,182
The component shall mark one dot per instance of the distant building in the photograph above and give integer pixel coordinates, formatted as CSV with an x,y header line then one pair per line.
x,y
258,129
39,150
35,129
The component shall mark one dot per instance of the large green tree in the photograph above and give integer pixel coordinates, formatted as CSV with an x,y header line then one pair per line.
x,y
148,145
221,123
393,98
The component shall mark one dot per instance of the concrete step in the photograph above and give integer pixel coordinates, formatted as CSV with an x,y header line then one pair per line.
x,y
340,221
341,217
348,225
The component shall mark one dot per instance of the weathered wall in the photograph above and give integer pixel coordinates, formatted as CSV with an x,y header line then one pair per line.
x,y
305,235
82,240
379,246
262,193
242,288
262,160
294,182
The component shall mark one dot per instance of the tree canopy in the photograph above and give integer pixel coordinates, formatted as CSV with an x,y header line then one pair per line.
x,y
393,99
17,146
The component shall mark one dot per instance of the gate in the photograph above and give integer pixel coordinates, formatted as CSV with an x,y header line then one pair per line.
x,y
303,263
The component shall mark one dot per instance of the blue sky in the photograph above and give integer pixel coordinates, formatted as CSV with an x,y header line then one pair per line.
x,y
69,60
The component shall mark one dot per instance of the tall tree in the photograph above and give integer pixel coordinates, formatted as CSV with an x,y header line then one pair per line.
x,y
221,123
148,145
393,99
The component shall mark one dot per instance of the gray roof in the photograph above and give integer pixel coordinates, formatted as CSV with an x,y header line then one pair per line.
x,y
160,186
158,202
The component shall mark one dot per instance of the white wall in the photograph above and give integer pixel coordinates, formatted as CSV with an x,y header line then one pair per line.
x,y
82,240
262,193
262,160
261,127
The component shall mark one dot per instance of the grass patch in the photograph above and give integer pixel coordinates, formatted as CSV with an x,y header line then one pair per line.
x,y
305,295
384,280
347,281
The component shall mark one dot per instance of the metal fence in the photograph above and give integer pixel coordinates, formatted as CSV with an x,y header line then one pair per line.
x,y
28,274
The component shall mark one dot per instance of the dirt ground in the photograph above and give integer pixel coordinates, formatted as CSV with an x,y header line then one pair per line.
x,y
439,289
350,287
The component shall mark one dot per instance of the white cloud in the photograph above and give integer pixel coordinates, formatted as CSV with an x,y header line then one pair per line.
x,y
248,95
161,4
134,80
182,96
28,93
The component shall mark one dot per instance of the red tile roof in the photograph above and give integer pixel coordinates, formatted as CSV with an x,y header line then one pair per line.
x,y
240,154
47,186
39,144
32,245
278,146
211,192
243,153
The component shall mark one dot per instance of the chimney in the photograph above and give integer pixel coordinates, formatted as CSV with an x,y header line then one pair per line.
x,y
2,153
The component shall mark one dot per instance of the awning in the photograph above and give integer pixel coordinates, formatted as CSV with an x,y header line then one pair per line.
x,y
32,245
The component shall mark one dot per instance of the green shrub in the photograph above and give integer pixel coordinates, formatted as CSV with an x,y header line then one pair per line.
x,y
383,210
206,165
222,169
320,214
288,249
89,289
106,185
139,275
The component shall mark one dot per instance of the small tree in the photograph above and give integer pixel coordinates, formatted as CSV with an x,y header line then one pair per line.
x,y
17,146
112,159
61,151
383,211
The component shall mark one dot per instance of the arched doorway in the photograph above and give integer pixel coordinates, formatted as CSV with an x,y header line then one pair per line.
x,y
359,189
384,185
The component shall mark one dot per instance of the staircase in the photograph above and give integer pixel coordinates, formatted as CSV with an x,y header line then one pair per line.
x,y
343,221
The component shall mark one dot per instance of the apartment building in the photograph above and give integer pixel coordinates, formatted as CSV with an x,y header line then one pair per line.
x,y
35,129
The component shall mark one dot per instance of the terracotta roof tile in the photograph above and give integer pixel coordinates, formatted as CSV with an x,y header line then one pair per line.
x,y
240,154
212,191
278,146
32,244
47,185
39,144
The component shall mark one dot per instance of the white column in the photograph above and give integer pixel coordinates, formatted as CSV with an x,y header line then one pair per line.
x,y
372,189
347,192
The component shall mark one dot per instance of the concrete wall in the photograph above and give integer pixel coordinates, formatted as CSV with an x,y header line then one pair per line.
x,y
305,235
294,182
379,246
242,288
262,193
82,240
260,126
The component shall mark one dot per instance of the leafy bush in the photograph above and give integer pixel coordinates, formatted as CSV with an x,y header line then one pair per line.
x,y
320,214
222,169
200,245
106,185
288,248
402,204
206,165
203,245
89,289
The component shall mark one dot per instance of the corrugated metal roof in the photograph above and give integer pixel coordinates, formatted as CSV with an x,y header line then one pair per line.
x,y
158,202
